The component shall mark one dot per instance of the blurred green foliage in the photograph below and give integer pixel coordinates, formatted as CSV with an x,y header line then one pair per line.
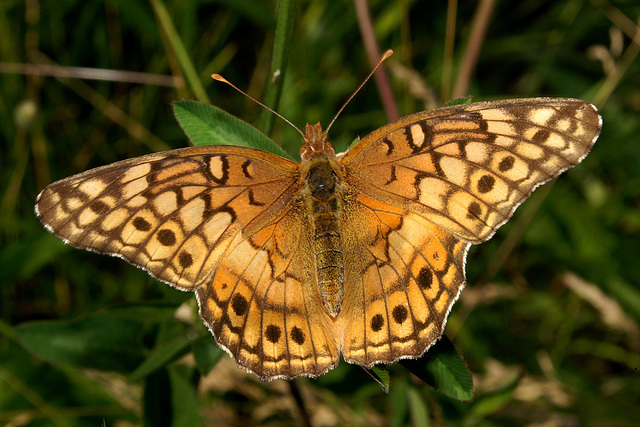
x,y
549,320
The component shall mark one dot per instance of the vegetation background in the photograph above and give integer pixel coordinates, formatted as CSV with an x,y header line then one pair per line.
x,y
548,323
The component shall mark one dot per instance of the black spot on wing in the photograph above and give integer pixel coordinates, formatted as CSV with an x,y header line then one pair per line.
x,y
425,278
185,259
141,224
272,333
377,322
474,210
400,314
486,183
297,335
99,207
506,163
166,237
239,305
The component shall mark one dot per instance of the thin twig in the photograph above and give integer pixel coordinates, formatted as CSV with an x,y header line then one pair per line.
x,y
60,71
630,29
616,75
297,396
476,39
112,111
447,60
373,52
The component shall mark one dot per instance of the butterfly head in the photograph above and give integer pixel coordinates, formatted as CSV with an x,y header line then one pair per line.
x,y
315,143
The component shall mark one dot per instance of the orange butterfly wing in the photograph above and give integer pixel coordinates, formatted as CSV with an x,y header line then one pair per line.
x,y
428,185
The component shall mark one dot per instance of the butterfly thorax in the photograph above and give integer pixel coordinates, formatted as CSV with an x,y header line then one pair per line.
x,y
315,143
323,193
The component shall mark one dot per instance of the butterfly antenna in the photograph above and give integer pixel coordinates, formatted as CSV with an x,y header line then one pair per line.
x,y
385,55
219,78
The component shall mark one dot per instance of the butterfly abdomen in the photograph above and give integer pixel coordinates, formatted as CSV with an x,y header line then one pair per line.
x,y
324,203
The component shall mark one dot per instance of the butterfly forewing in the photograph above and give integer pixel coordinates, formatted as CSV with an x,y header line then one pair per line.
x,y
173,214
467,168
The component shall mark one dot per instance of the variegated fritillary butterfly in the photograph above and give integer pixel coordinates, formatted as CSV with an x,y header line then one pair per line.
x,y
361,255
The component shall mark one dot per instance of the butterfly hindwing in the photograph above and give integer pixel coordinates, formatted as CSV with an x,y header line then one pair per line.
x,y
264,305
404,274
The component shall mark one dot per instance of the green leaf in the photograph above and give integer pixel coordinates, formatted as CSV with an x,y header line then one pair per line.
x,y
353,143
444,369
169,400
417,408
183,401
161,355
458,101
398,400
99,342
207,354
207,125
380,374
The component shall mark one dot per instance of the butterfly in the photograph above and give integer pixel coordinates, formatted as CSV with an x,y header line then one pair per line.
x,y
359,256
